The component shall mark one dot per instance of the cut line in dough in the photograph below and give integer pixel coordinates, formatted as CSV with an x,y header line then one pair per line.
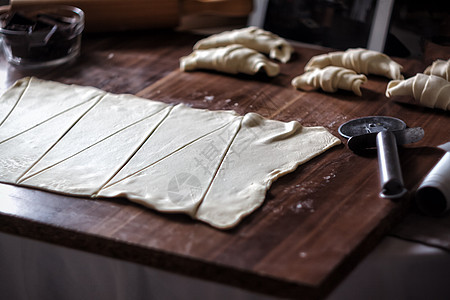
x,y
10,99
38,104
158,193
123,112
92,167
19,154
201,123
238,190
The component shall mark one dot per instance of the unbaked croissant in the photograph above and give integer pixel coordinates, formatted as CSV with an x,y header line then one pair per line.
x,y
439,68
253,38
330,79
360,60
428,90
231,59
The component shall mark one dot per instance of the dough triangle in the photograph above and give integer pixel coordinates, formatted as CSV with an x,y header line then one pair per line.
x,y
273,149
178,182
183,126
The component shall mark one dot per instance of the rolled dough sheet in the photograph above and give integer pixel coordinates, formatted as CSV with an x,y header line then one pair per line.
x,y
215,166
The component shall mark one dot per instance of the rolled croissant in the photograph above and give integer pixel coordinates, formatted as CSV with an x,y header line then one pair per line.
x,y
330,79
232,59
360,60
253,38
428,90
439,68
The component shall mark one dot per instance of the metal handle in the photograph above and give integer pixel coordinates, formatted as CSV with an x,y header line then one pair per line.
x,y
391,179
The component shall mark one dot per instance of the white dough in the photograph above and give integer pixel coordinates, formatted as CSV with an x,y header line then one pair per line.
x,y
428,90
215,166
238,190
185,125
439,68
91,167
232,59
113,114
251,37
42,100
359,60
37,117
330,79
164,184
20,152
10,98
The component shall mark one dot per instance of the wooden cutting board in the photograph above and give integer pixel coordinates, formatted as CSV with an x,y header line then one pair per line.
x,y
316,223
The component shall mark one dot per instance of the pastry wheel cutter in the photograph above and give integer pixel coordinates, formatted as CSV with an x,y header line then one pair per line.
x,y
384,134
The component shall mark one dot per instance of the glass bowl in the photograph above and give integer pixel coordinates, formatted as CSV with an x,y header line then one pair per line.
x,y
41,37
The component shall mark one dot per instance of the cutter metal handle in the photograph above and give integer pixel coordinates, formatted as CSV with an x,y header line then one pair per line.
x,y
391,179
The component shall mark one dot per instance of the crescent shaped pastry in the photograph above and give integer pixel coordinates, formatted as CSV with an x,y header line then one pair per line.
x,y
330,79
253,38
428,90
439,68
360,60
231,59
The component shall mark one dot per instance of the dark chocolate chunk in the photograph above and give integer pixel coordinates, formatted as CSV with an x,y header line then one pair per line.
x,y
19,22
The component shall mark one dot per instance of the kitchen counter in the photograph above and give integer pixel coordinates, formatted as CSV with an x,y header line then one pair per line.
x,y
316,224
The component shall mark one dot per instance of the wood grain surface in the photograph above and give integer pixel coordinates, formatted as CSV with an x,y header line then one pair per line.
x,y
316,223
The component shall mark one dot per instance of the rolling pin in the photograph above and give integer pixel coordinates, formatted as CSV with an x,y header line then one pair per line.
x,y
118,15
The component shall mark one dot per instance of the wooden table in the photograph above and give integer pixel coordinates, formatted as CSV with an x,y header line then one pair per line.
x,y
316,224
